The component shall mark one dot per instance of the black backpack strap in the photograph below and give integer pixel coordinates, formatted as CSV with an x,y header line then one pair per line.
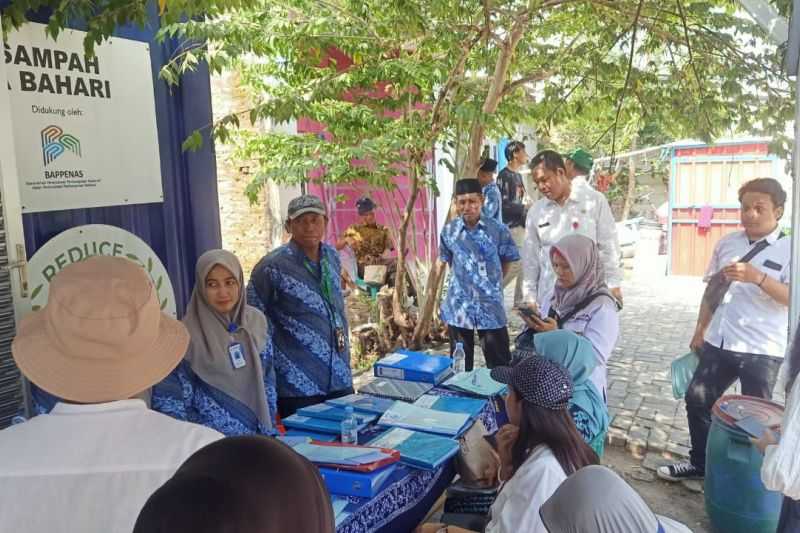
x,y
561,320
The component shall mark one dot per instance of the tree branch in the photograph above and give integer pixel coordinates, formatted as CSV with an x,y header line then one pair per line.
x,y
627,76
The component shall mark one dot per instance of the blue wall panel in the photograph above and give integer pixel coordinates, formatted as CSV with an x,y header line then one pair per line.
x,y
187,223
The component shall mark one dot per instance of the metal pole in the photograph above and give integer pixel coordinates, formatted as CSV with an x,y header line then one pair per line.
x,y
794,286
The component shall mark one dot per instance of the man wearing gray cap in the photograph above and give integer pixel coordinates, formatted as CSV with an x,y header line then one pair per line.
x,y
298,286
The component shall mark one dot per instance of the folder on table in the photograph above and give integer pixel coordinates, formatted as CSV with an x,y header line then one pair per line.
x,y
366,403
318,425
350,483
452,404
418,449
396,389
476,382
409,416
333,412
414,366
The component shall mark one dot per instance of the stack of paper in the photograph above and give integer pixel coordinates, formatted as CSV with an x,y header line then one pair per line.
x,y
421,450
366,403
333,412
477,382
410,416
452,404
341,455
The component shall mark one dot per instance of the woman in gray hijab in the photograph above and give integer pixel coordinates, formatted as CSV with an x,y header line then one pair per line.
x,y
596,499
580,302
227,379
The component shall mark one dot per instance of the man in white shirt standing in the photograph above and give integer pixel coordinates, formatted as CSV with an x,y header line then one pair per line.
x,y
90,464
742,332
579,163
564,209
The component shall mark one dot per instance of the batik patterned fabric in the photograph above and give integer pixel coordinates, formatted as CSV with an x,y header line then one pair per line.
x,y
183,395
369,242
302,323
474,297
492,202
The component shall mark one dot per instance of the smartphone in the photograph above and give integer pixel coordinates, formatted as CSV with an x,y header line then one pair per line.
x,y
529,312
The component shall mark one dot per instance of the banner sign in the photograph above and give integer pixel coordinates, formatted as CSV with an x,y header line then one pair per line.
x,y
84,127
79,243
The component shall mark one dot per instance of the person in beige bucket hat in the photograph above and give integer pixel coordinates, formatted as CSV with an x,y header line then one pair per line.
x,y
91,463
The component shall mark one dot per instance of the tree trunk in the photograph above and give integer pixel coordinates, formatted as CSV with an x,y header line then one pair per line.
x,y
626,207
471,163
435,278
399,315
495,94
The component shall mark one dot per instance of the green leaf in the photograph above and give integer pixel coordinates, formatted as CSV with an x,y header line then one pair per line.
x,y
149,264
133,257
159,281
163,304
193,143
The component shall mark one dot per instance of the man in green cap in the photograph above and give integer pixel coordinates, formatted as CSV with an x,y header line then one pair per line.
x,y
578,163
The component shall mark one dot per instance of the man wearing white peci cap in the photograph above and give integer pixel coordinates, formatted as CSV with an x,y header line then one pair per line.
x,y
91,463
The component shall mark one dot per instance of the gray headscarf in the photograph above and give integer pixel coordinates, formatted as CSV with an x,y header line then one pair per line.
x,y
584,261
596,499
208,352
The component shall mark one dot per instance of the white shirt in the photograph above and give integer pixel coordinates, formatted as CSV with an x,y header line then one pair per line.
x,y
516,509
599,323
749,320
586,212
781,468
90,468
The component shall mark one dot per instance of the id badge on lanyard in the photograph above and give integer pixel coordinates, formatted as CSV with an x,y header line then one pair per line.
x,y
235,350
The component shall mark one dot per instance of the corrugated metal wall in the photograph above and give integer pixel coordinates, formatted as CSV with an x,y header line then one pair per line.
x,y
709,176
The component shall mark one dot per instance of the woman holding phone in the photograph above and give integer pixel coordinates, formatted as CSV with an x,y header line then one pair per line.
x,y
581,302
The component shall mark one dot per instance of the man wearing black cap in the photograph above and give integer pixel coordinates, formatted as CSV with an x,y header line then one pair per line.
x,y
479,251
491,192
368,239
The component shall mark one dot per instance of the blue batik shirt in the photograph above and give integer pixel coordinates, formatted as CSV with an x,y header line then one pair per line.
x,y
183,395
303,322
474,297
492,202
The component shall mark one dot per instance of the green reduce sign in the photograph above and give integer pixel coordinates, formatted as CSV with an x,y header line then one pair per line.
x,y
82,242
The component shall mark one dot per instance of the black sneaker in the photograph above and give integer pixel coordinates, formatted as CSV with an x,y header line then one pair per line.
x,y
680,472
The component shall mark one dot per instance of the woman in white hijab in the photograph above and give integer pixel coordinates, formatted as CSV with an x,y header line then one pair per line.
x,y
596,499
227,379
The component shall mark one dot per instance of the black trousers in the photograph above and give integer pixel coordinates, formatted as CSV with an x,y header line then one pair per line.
x,y
494,342
288,406
718,370
790,516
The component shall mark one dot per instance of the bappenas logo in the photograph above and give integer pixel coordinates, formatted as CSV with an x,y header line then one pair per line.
x,y
55,142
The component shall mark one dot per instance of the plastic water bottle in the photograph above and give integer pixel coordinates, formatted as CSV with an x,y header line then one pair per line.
x,y
459,358
349,427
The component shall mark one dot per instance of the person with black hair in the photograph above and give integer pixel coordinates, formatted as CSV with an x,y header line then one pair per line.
x,y
743,320
564,210
479,251
243,484
780,471
514,207
538,449
492,200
